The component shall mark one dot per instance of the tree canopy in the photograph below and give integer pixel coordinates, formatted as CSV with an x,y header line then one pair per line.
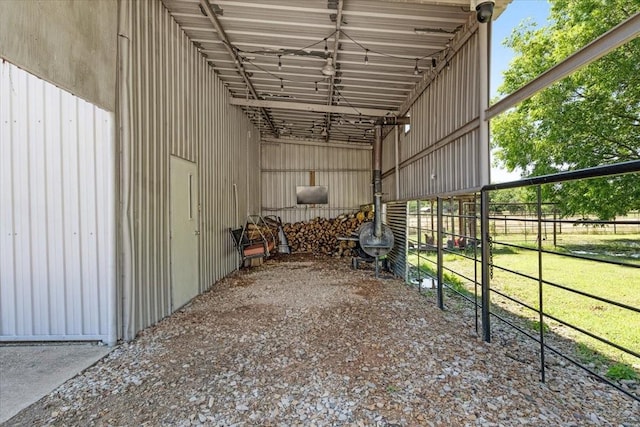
x,y
590,118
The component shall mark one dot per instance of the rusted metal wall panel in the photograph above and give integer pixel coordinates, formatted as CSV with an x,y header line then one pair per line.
x,y
57,213
346,171
178,106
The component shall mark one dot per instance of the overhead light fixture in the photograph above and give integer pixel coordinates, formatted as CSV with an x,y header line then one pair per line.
x,y
416,70
316,86
324,132
281,85
328,69
433,62
326,48
366,57
279,62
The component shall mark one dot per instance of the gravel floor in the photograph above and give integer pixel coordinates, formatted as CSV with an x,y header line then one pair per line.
x,y
308,341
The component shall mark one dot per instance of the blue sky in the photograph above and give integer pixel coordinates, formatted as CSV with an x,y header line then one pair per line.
x,y
518,11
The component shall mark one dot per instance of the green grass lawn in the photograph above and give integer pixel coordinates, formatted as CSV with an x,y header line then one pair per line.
x,y
621,284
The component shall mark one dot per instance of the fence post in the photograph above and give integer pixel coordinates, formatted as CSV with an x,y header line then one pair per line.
x,y
486,273
474,233
439,248
540,307
555,228
419,241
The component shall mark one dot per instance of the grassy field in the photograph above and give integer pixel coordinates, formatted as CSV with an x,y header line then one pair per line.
x,y
621,284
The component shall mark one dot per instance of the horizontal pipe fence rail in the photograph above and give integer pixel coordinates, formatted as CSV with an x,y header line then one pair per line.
x,y
461,245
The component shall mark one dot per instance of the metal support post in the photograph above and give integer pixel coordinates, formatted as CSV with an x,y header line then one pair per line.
x,y
473,232
486,268
555,228
419,241
540,305
439,248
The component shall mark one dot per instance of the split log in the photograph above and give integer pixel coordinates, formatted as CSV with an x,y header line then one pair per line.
x,y
320,235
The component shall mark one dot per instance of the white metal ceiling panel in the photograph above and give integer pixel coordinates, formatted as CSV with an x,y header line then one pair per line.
x,y
380,50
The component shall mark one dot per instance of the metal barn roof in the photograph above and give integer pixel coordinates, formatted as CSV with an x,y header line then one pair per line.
x,y
322,69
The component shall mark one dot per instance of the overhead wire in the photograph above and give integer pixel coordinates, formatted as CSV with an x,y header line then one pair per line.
x,y
276,52
241,56
366,49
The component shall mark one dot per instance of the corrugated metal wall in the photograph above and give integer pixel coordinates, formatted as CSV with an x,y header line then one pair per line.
x,y
388,164
440,154
396,219
173,104
57,213
345,170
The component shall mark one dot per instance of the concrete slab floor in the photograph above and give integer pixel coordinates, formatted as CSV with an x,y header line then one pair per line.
x,y
30,372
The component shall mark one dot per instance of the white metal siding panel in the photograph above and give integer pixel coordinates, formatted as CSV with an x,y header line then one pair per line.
x,y
450,102
57,213
345,171
389,164
179,107
388,150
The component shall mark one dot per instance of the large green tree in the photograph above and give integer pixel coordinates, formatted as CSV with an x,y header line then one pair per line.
x,y
590,118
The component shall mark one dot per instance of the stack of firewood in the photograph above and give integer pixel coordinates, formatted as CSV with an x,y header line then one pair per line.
x,y
320,235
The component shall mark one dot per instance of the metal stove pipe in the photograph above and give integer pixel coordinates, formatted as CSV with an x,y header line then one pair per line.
x,y
377,181
376,239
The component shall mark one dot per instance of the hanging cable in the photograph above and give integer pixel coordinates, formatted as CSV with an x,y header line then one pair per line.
x,y
303,51
346,100
388,55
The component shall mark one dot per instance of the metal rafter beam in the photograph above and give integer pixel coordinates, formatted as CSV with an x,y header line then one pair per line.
x,y
319,108
227,44
336,44
623,33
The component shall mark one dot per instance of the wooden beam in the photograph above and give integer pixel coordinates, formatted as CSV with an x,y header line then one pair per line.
x,y
318,108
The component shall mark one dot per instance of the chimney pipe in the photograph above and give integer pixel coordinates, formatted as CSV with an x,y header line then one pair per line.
x,y
377,181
